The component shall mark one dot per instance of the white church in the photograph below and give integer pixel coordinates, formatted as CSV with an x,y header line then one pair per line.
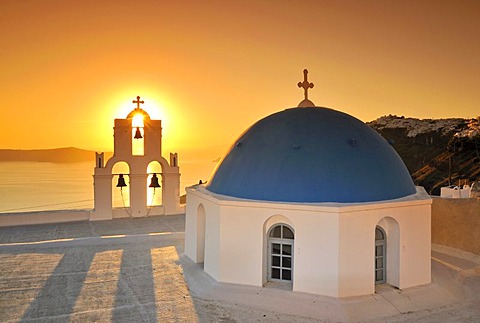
x,y
315,200
138,144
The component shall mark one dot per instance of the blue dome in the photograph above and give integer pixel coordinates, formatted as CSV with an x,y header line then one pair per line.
x,y
311,155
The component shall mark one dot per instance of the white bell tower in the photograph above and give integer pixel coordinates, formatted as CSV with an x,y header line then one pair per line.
x,y
137,142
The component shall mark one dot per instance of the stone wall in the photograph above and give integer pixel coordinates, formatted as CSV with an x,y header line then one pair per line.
x,y
456,223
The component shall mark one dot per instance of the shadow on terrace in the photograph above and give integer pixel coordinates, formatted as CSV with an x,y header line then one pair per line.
x,y
121,270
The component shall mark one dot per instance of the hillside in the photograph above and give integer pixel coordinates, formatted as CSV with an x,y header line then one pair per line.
x,y
437,152
59,155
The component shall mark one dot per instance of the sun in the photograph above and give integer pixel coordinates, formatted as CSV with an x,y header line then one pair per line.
x,y
137,120
121,103
157,104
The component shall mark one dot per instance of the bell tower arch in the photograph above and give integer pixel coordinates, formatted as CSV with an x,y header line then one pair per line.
x,y
128,132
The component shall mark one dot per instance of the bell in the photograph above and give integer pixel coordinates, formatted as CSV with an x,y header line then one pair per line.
x,y
154,182
138,134
121,181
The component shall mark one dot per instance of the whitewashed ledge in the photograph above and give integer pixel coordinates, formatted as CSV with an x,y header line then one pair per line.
x,y
43,217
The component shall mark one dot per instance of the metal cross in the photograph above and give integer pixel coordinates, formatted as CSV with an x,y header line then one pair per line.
x,y
305,84
138,102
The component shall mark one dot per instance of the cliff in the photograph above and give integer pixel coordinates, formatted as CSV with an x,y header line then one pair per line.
x,y
437,152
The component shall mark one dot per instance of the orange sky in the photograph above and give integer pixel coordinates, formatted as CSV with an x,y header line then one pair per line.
x,y
209,69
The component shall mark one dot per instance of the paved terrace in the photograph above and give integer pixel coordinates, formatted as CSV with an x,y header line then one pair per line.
x,y
133,271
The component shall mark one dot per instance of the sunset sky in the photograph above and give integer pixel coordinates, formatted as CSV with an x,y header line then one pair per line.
x,y
209,69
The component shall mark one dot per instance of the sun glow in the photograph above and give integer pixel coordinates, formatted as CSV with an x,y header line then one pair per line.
x,y
137,121
123,105
157,104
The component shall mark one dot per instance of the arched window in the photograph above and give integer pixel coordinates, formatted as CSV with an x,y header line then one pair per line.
x,y
380,256
280,253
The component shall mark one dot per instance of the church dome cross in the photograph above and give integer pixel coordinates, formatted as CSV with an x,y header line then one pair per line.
x,y
306,86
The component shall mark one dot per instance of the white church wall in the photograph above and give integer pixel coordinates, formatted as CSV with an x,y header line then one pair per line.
x,y
102,195
201,228
208,233
356,253
408,260
213,257
138,193
247,226
237,224
315,268
333,246
191,232
171,191
415,244
316,252
153,137
122,144
241,245
407,226
195,230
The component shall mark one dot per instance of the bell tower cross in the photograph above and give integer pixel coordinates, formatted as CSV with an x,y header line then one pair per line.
x,y
138,102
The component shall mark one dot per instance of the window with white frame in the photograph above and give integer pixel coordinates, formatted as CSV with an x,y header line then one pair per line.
x,y
280,253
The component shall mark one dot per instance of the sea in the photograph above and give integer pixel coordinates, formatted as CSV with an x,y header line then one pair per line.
x,y
41,186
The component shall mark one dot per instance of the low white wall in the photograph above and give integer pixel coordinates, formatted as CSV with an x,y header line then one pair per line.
x,y
61,216
43,217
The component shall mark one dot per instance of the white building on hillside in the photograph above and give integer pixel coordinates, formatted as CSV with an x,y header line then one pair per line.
x,y
314,199
455,192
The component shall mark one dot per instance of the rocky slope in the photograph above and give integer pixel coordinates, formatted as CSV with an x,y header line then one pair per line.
x,y
437,152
